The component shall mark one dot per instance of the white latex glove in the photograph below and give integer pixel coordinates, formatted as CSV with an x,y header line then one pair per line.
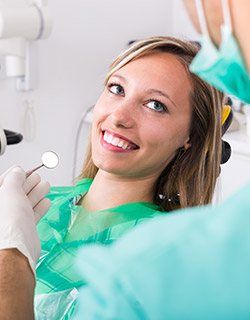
x,y
22,204
36,190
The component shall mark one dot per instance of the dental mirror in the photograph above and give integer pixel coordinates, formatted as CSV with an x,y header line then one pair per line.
x,y
50,160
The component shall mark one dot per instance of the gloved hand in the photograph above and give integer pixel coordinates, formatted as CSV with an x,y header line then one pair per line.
x,y
22,204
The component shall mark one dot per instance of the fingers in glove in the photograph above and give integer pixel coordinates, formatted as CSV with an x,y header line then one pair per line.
x,y
14,178
38,193
7,172
31,182
41,208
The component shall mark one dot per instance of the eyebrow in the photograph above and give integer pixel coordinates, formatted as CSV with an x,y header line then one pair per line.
x,y
159,92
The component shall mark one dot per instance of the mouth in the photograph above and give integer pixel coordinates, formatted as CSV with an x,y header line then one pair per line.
x,y
116,142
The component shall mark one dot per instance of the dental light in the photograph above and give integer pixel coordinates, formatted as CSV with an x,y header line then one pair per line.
x,y
22,22
8,137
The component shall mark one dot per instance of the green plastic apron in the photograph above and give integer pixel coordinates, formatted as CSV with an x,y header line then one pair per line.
x,y
64,230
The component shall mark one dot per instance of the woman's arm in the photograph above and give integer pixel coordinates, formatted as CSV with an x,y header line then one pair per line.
x,y
16,286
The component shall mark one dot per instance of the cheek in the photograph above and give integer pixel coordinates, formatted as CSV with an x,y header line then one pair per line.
x,y
102,105
97,119
167,135
99,109
100,113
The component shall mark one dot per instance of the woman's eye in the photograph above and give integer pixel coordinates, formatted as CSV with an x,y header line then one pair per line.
x,y
157,106
116,89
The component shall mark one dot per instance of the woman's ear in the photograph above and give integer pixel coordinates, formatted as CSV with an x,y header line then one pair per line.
x,y
187,145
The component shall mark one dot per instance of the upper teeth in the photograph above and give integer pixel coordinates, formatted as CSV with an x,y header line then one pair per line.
x,y
117,142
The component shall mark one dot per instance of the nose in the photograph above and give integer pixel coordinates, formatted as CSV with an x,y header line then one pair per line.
x,y
123,116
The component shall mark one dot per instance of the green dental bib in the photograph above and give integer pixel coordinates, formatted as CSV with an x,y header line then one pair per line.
x,y
64,230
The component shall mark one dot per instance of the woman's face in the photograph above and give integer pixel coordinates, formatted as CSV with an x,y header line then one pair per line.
x,y
142,117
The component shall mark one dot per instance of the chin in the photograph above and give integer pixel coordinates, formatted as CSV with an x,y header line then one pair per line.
x,y
109,167
116,170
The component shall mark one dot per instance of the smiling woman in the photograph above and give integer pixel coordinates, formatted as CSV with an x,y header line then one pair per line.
x,y
172,118
155,146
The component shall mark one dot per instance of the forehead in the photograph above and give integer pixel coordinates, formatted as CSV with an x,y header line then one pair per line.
x,y
159,70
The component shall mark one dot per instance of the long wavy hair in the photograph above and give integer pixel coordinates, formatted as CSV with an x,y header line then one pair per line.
x,y
190,178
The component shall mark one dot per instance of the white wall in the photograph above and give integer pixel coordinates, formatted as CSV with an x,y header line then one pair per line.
x,y
72,64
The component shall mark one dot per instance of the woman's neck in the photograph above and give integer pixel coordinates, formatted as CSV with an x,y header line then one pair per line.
x,y
107,191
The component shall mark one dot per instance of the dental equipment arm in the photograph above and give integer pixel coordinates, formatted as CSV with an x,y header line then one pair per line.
x,y
22,23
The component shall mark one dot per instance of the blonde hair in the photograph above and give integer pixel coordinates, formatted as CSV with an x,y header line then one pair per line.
x,y
189,179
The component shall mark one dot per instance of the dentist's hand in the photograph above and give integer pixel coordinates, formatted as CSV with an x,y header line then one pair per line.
x,y
22,204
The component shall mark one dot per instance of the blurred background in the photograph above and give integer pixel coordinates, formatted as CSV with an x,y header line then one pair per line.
x,y
70,68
